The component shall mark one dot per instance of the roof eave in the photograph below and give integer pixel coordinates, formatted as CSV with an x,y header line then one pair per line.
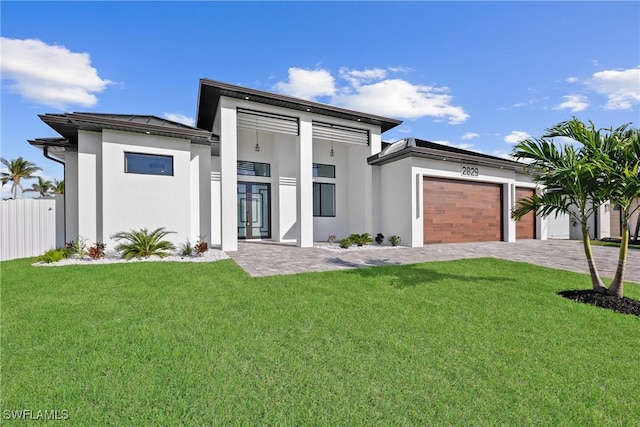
x,y
72,122
205,115
427,153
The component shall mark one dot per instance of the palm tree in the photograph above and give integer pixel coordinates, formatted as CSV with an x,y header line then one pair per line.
x,y
621,156
572,181
18,169
43,187
58,187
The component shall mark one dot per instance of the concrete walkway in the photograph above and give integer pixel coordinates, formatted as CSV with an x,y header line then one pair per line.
x,y
269,258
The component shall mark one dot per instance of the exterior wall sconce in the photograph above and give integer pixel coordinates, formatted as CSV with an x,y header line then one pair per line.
x,y
332,153
257,148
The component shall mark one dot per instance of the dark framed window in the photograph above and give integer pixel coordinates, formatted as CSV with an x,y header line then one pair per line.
x,y
148,164
324,199
253,168
324,171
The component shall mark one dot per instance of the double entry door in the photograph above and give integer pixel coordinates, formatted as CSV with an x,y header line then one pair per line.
x,y
254,210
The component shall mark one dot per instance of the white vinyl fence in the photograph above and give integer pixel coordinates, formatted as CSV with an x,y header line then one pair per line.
x,y
29,227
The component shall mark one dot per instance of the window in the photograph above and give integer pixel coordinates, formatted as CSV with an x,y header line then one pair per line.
x,y
324,171
148,164
253,168
324,199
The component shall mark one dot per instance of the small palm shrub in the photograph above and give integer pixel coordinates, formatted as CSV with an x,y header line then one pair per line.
x,y
143,244
201,246
395,240
97,250
379,238
360,239
52,255
346,243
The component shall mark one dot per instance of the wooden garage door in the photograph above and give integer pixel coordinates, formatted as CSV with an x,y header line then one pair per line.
x,y
526,226
461,211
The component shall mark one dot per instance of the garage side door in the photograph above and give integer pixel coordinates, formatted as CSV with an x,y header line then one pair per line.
x,y
461,211
526,226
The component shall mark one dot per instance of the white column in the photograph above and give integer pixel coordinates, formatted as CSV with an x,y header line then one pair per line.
x,y
304,185
509,201
89,144
228,175
71,195
375,142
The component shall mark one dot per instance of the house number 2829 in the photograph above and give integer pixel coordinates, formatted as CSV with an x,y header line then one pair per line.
x,y
469,171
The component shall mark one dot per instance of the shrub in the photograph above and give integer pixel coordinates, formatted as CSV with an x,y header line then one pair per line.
x,y
142,243
186,249
52,255
346,243
379,238
76,248
97,250
201,246
360,239
331,239
395,240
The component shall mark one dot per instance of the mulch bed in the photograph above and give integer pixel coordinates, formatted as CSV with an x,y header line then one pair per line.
x,y
621,305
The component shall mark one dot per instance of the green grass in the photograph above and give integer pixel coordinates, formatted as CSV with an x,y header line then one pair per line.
x,y
474,342
612,244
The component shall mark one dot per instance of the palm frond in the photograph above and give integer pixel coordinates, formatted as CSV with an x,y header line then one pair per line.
x,y
143,244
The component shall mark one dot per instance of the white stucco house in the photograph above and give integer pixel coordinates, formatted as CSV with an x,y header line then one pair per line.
x,y
260,165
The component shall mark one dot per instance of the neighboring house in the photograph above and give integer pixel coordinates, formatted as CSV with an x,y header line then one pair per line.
x,y
265,166
616,221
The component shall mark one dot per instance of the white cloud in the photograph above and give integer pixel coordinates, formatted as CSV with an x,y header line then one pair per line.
x,y
50,75
621,87
469,135
530,101
399,98
358,77
372,90
516,136
572,80
573,102
180,118
307,84
404,129
400,69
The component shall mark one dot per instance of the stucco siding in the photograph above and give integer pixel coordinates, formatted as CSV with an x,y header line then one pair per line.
x,y
397,209
134,201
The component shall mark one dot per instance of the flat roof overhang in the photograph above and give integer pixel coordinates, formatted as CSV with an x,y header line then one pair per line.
x,y
436,154
210,92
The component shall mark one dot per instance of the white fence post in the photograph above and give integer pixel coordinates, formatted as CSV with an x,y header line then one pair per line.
x,y
27,227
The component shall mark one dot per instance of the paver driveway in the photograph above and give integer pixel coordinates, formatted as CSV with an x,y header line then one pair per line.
x,y
267,258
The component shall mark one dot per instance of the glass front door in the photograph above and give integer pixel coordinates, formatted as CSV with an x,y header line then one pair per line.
x,y
254,211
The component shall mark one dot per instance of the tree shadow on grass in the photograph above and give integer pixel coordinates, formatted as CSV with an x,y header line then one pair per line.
x,y
411,275
366,263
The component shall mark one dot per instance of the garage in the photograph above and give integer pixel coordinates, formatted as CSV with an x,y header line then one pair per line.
x,y
461,211
526,226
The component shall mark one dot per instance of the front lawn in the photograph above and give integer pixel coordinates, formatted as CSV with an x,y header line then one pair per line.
x,y
613,244
472,342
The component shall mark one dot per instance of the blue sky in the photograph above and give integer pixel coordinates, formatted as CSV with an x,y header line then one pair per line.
x,y
472,74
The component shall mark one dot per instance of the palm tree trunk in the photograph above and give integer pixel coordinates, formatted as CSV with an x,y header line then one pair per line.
x,y
617,285
596,281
